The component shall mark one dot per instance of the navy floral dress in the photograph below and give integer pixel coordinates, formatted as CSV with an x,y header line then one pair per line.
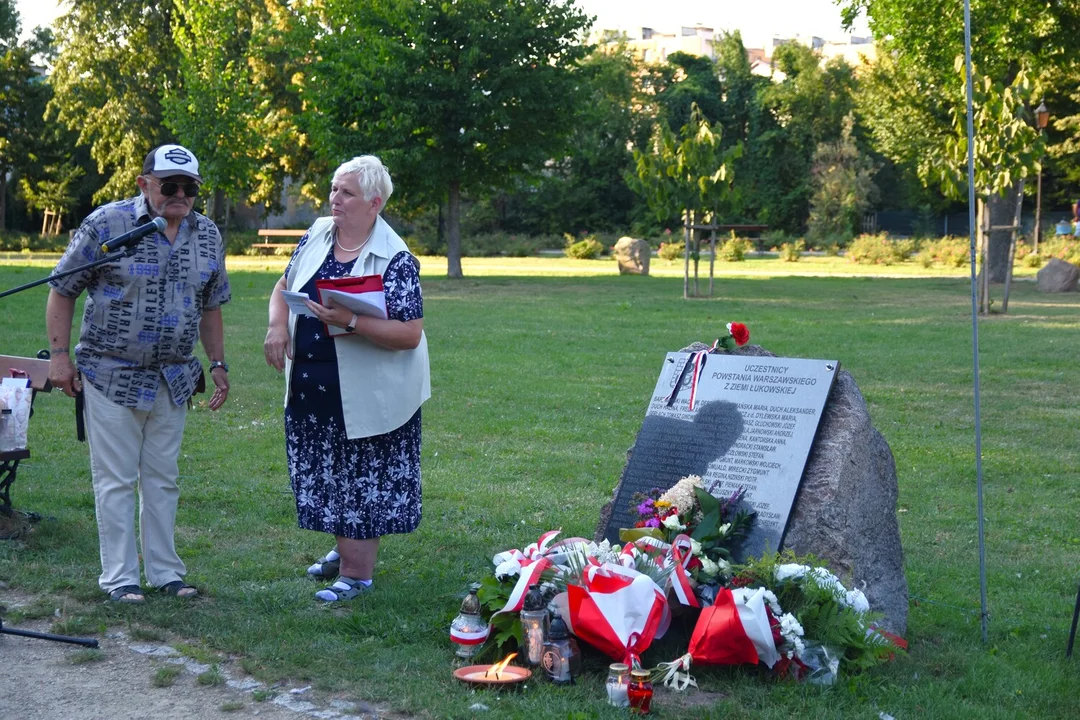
x,y
362,488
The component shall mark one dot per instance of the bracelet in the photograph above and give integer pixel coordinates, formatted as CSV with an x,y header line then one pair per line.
x,y
58,351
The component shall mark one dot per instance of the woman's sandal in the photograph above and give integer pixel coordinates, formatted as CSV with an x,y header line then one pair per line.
x,y
177,588
128,594
326,568
343,589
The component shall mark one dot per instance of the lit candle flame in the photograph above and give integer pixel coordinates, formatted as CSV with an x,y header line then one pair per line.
x,y
499,666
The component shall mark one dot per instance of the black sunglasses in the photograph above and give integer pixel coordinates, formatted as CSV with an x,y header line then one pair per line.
x,y
168,189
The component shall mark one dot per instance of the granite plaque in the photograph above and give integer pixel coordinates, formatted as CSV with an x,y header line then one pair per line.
x,y
752,427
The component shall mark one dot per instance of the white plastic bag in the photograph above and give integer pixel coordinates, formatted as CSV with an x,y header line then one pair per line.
x,y
14,416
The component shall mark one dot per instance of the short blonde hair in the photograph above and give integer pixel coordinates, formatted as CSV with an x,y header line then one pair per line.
x,y
371,175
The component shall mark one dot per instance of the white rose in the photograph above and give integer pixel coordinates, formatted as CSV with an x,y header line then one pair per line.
x,y
723,529
858,601
672,523
709,567
508,568
695,547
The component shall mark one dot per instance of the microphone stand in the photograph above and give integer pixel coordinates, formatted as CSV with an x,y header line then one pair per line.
x,y
88,642
127,251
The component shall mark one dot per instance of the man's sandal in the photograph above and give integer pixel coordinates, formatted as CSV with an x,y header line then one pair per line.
x,y
327,567
128,594
343,589
178,589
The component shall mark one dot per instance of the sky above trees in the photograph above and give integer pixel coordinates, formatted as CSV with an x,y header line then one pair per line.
x,y
757,20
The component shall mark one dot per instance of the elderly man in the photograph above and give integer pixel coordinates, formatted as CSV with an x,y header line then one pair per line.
x,y
142,318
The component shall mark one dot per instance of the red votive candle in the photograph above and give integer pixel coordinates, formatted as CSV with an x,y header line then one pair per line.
x,y
640,692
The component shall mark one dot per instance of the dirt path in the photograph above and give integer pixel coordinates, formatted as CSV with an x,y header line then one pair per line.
x,y
47,680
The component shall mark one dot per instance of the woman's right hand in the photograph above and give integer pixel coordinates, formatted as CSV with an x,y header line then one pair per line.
x,y
276,346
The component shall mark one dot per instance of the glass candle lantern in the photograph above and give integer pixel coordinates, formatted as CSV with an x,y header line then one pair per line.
x,y
562,657
468,630
639,692
534,626
618,681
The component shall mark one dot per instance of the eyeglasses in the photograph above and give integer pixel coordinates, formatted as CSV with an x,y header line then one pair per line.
x,y
168,189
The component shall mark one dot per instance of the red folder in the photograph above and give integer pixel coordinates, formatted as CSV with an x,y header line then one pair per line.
x,y
359,286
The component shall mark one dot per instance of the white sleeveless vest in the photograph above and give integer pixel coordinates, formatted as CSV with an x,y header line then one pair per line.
x,y
380,389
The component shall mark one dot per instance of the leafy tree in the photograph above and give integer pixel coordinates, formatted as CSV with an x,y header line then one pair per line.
x,y
807,107
843,188
455,97
584,190
238,107
1007,35
115,63
686,175
23,94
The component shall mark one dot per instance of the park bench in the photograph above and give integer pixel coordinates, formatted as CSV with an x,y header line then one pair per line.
x,y
265,234
37,369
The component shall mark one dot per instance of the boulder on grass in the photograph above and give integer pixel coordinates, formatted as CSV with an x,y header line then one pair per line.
x,y
1058,276
633,256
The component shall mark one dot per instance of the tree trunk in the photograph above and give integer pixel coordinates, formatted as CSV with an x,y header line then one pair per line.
x,y
3,200
686,255
1002,214
453,231
216,211
1012,247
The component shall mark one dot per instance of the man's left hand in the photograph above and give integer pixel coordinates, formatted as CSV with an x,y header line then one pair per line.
x,y
221,387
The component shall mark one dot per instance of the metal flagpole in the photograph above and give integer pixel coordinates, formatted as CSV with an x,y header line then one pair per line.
x,y
985,615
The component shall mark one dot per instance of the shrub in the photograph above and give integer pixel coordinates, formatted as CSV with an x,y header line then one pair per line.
x,y
587,249
734,249
32,242
951,252
671,250
1033,260
904,249
791,252
1063,247
873,250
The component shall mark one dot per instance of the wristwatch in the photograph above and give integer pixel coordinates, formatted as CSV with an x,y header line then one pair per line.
x,y
215,364
352,324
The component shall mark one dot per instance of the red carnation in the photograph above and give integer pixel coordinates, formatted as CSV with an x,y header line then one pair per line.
x,y
739,332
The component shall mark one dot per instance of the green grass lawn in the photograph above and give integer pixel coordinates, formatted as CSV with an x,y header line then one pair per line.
x,y
540,383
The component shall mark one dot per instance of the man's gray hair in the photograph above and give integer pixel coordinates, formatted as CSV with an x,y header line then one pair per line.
x,y
371,175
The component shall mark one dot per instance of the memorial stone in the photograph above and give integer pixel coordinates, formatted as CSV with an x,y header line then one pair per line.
x,y
751,429
845,508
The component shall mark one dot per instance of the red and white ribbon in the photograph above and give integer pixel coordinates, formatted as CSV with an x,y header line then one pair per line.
x,y
469,638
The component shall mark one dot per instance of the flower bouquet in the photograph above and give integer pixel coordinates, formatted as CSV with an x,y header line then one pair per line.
x,y
714,528
795,617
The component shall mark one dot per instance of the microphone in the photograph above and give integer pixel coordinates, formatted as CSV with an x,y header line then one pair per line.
x,y
128,239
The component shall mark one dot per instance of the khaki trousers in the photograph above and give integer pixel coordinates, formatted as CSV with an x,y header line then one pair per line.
x,y
129,450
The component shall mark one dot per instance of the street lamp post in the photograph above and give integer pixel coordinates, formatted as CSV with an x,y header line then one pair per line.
x,y
1042,117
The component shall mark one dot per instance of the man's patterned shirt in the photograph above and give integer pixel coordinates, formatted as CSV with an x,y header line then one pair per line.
x,y
141,319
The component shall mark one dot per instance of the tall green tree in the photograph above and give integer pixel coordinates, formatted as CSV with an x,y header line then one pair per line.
x,y
455,96
843,180
116,62
584,190
807,107
1007,35
239,105
23,94
684,175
